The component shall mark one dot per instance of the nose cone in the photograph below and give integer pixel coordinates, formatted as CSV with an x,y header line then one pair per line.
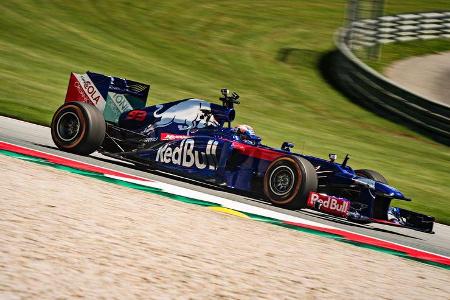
x,y
388,190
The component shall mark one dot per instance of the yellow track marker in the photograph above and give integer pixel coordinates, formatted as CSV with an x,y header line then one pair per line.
x,y
229,211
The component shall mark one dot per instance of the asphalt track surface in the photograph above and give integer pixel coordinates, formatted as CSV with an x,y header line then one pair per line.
x,y
38,137
427,76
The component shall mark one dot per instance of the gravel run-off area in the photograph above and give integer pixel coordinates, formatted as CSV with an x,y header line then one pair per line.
x,y
63,235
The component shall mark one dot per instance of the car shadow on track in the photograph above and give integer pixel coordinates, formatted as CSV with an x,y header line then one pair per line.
x,y
353,224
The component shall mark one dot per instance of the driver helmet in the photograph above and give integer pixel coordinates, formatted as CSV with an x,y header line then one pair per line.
x,y
247,134
245,130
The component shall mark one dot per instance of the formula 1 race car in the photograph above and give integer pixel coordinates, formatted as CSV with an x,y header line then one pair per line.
x,y
194,138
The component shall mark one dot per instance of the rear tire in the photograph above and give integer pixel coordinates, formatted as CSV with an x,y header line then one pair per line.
x,y
78,127
288,182
371,174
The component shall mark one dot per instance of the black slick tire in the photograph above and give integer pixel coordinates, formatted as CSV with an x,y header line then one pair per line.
x,y
288,182
371,174
78,127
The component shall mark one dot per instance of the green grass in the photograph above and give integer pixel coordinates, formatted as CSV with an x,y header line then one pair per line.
x,y
194,48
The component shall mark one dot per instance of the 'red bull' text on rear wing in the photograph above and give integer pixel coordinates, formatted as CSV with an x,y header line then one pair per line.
x,y
111,95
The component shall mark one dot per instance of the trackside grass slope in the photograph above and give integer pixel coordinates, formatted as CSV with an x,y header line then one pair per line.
x,y
266,50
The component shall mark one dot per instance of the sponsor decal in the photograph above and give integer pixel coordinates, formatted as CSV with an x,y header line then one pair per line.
x,y
185,155
120,102
329,204
90,90
172,137
75,92
116,104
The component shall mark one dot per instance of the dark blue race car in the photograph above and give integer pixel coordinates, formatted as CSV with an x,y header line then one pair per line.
x,y
194,138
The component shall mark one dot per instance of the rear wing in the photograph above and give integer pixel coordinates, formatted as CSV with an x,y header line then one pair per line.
x,y
111,95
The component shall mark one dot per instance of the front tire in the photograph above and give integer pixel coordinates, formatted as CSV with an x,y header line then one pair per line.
x,y
288,182
371,174
78,127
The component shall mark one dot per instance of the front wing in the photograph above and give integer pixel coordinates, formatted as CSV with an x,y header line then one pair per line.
x,y
395,216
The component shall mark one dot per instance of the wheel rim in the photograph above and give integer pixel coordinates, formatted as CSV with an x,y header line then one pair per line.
x,y
68,126
281,180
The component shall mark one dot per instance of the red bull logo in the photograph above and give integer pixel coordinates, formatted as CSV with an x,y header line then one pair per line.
x,y
328,204
185,155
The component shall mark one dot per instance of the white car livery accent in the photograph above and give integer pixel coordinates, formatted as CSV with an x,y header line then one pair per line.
x,y
188,114
89,89
185,155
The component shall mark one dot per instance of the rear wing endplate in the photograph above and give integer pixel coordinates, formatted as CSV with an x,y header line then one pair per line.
x,y
111,95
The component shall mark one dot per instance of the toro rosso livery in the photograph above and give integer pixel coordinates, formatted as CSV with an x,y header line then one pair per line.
x,y
194,138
